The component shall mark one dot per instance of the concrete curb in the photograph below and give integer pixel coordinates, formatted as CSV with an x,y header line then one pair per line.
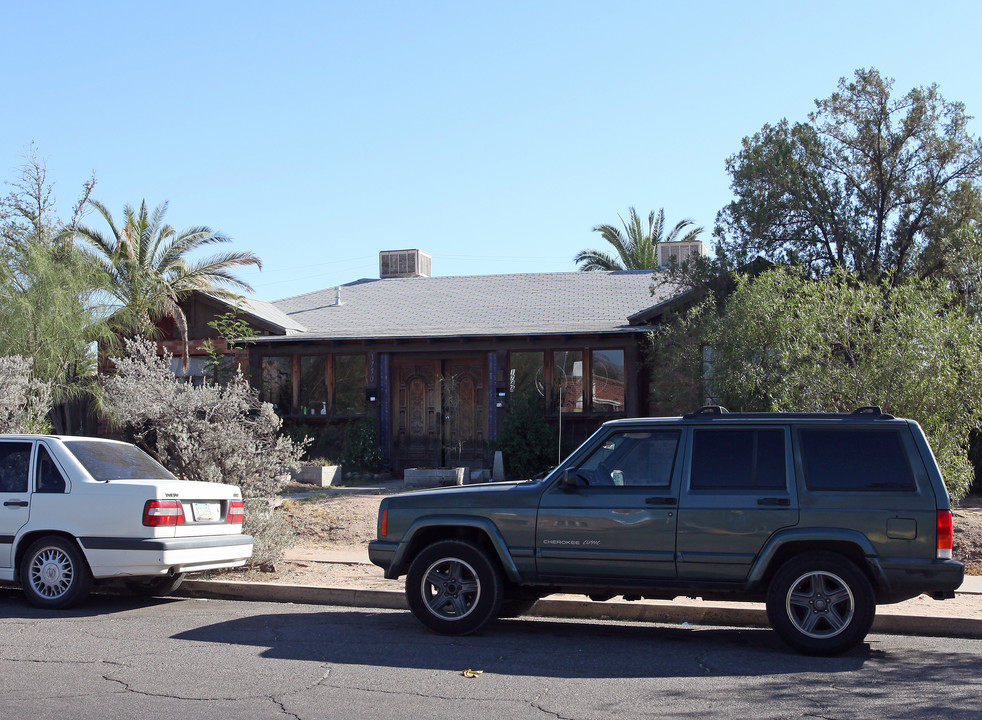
x,y
669,612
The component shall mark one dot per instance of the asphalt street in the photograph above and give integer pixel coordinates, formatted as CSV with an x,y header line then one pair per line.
x,y
195,658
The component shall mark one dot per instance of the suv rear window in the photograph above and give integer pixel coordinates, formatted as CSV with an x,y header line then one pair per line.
x,y
738,460
862,460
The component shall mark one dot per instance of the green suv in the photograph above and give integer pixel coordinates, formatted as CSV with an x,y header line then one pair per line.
x,y
821,516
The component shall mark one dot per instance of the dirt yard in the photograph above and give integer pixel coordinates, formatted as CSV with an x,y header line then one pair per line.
x,y
347,522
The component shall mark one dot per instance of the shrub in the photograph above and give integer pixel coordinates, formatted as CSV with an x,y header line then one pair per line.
x,y
361,452
217,433
24,401
271,533
528,443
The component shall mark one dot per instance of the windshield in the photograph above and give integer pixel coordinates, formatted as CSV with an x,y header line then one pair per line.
x,y
116,461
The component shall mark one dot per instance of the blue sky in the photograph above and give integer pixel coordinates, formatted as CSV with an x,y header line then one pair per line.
x,y
492,135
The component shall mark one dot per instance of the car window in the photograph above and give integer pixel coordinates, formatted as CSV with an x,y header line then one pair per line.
x,y
866,460
644,459
116,461
15,462
47,476
738,460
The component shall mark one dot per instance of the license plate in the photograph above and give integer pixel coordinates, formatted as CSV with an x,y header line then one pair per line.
x,y
206,512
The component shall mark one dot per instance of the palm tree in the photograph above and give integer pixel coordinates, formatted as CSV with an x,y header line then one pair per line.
x,y
149,271
637,248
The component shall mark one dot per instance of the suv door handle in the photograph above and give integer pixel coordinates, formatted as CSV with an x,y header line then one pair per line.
x,y
16,503
660,501
783,502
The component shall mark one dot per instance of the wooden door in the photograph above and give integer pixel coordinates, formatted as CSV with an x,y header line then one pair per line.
x,y
465,410
416,400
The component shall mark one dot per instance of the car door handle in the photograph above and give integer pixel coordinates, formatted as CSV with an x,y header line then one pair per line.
x,y
16,503
783,502
660,501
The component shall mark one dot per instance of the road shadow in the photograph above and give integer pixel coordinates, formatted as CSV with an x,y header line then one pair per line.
x,y
103,601
526,646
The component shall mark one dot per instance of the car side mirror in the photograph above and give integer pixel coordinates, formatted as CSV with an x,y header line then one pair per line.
x,y
570,478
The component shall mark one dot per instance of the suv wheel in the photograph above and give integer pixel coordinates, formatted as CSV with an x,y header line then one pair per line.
x,y
820,603
454,587
54,574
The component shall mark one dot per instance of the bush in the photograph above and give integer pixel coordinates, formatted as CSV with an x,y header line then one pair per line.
x,y
24,401
528,443
271,533
217,433
361,452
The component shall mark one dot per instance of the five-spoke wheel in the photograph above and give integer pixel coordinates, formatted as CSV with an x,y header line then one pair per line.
x,y
454,587
820,603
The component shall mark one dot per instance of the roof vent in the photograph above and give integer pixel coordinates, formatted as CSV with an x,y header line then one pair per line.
x,y
404,264
679,251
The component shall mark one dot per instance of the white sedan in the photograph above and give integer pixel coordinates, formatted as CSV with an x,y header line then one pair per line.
x,y
78,509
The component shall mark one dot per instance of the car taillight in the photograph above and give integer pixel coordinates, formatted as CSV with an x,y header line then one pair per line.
x,y
163,512
946,534
383,523
236,512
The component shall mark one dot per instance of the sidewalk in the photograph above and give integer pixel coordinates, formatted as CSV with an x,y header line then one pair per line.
x,y
960,617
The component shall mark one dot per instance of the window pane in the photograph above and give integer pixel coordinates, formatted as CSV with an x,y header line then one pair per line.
x,y
349,384
48,478
116,461
277,383
738,460
855,460
15,461
525,372
633,459
313,386
607,367
568,380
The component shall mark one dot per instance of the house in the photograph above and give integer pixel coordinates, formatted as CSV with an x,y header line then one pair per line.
x,y
433,362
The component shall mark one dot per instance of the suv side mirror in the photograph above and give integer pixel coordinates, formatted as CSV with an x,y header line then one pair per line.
x,y
570,478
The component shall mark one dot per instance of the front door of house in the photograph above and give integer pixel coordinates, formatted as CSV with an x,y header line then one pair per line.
x,y
417,437
441,413
465,412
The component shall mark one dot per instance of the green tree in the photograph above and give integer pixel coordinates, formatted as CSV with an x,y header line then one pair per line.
x,y
884,186
149,271
49,295
637,247
784,342
232,329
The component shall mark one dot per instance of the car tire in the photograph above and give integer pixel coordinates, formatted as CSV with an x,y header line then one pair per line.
x,y
454,587
155,586
820,603
54,574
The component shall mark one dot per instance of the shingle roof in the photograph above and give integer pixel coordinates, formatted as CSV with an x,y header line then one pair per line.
x,y
262,310
479,305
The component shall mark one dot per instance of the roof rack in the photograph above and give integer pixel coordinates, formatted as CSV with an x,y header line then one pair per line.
x,y
872,411
708,410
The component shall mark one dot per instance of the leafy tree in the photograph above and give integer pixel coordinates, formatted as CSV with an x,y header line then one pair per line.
x,y
231,327
48,294
217,433
150,272
637,247
886,187
788,343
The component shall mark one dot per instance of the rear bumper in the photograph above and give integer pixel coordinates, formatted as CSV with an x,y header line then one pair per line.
x,y
121,557
905,579
382,554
